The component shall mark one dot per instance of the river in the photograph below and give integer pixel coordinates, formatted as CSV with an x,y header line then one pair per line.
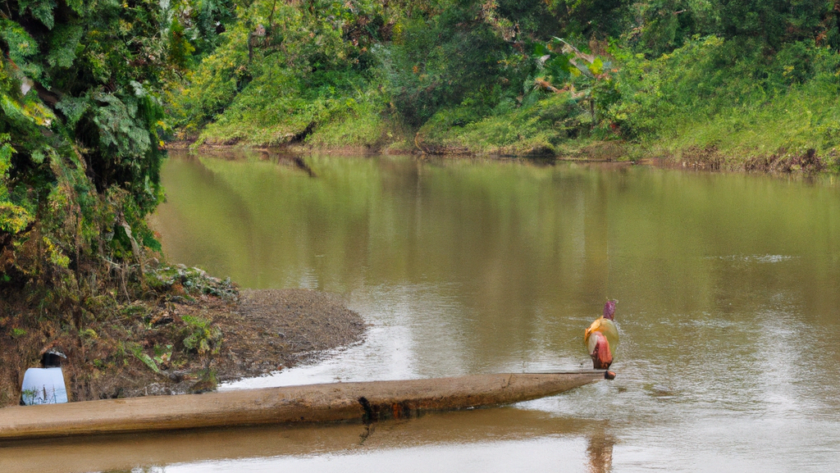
x,y
728,310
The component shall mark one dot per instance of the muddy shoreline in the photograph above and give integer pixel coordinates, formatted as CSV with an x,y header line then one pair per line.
x,y
708,159
263,332
157,350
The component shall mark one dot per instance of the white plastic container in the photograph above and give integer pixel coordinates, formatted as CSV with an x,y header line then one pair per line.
x,y
43,386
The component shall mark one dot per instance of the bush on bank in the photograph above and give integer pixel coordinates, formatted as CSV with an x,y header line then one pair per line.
x,y
520,77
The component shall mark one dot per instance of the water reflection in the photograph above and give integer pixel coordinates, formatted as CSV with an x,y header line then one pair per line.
x,y
728,290
600,451
317,448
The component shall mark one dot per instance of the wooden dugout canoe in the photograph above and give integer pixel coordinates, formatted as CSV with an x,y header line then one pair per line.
x,y
333,402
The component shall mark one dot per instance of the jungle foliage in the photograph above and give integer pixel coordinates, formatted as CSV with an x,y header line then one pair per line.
x,y
81,141
90,90
518,76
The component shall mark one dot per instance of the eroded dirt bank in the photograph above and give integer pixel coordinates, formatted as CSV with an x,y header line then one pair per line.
x,y
177,343
710,158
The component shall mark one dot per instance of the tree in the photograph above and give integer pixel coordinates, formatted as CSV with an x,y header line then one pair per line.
x,y
80,144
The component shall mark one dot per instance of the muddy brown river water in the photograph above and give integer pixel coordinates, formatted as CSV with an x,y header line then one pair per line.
x,y
729,308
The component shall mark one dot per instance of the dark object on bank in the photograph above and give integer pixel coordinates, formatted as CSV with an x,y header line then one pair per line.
x,y
52,359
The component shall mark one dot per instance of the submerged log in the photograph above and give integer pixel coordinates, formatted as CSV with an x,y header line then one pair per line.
x,y
334,402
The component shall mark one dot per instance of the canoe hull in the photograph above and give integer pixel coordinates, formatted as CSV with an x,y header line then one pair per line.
x,y
316,403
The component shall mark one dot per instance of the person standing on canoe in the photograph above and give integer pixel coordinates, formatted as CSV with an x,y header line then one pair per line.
x,y
601,338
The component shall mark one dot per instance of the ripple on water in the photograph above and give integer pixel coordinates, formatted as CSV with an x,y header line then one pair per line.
x,y
727,363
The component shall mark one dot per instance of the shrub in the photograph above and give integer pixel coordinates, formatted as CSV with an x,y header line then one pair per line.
x,y
200,336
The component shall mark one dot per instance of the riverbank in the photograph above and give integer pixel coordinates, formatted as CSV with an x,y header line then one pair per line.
x,y
179,341
690,156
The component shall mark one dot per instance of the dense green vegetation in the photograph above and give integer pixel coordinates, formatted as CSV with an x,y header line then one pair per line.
x,y
81,147
720,78
90,90
80,140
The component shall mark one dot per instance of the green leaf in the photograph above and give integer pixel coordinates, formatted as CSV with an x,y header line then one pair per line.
x,y
78,6
21,45
13,218
63,45
42,10
38,156
597,67
147,360
22,48
73,108
559,67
